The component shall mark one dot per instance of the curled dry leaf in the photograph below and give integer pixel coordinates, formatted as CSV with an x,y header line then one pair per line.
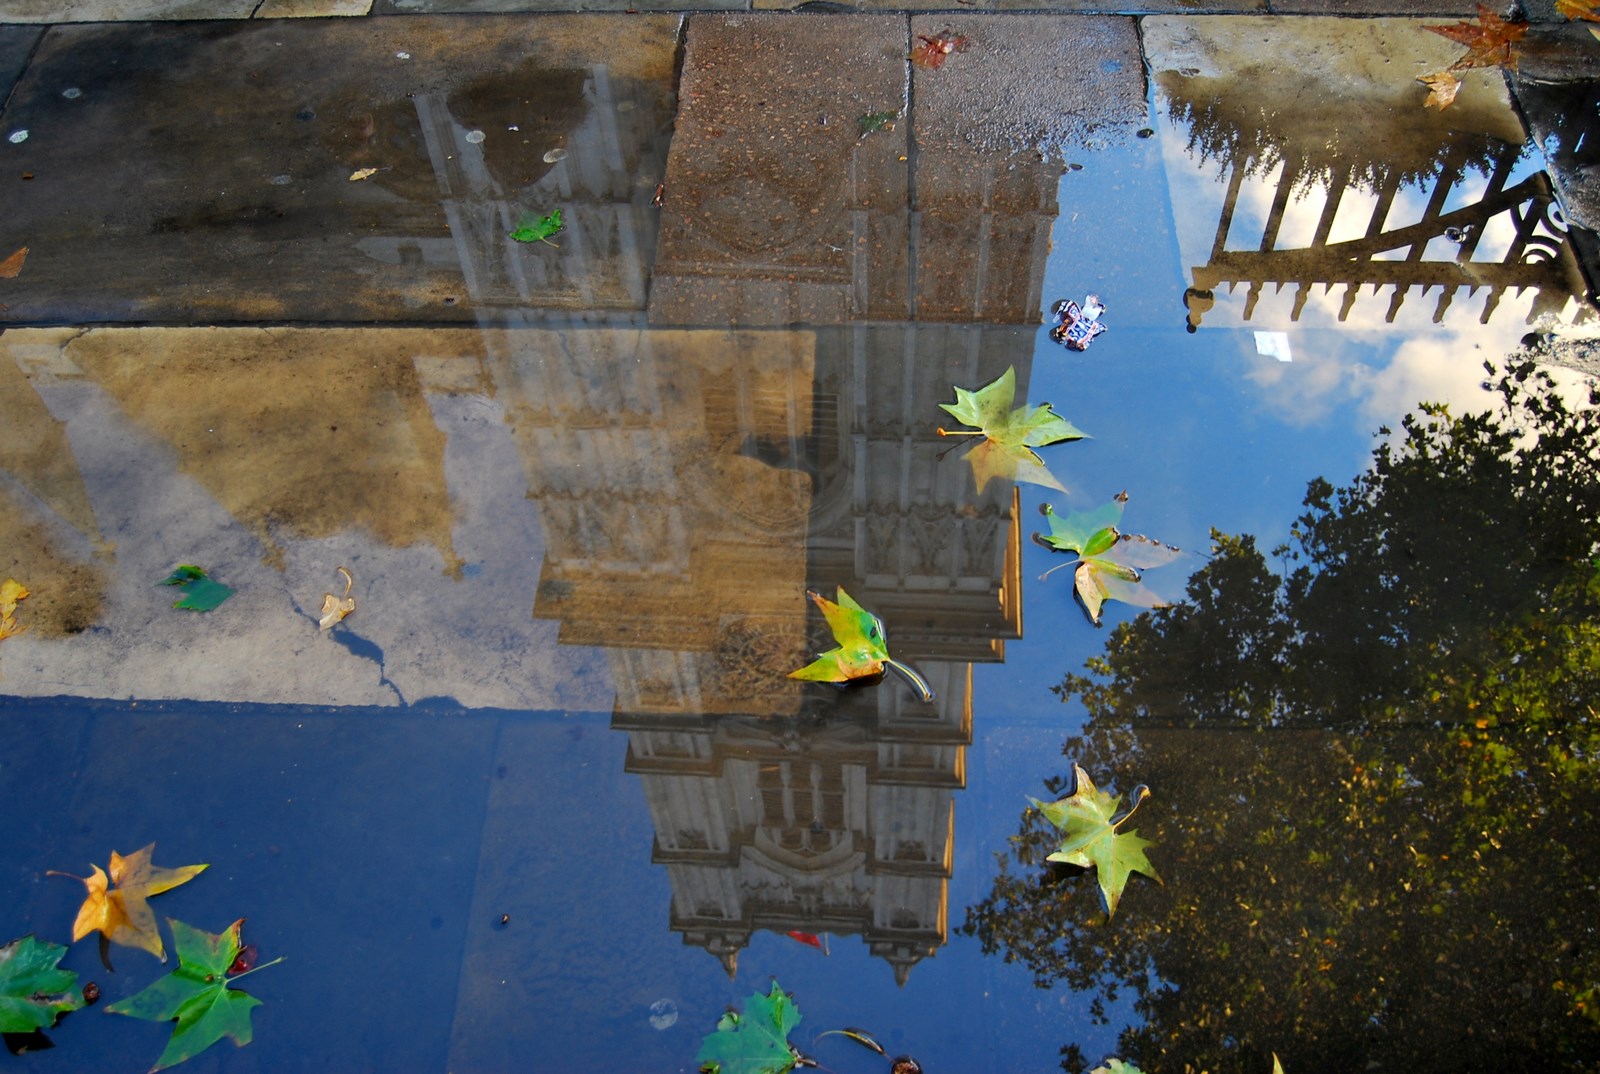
x,y
11,591
1442,89
336,608
362,173
11,266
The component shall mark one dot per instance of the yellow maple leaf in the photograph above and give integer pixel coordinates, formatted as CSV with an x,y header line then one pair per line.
x,y
123,915
1442,89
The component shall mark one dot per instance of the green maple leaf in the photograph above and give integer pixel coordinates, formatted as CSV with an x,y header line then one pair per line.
x,y
1110,563
201,593
1090,837
863,649
1009,433
532,227
34,991
755,1042
197,994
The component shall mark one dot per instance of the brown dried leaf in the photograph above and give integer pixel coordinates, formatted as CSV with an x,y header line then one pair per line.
x,y
1574,9
1442,89
1488,40
11,266
933,51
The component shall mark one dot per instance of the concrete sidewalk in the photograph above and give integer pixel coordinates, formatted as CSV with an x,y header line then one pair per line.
x,y
712,168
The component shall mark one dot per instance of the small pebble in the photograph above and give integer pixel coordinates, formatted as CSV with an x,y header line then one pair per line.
x,y
555,155
475,137
72,93
18,137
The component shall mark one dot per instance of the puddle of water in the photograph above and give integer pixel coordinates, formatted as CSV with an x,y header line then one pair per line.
x,y
549,785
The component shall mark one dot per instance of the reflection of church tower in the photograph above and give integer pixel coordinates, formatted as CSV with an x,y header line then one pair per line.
x,y
691,486
1303,140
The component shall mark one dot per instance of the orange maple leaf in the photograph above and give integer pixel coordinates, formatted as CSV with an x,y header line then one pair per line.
x,y
1573,9
1488,40
11,266
123,915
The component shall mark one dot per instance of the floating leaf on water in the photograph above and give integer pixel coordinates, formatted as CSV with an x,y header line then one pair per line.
x,y
532,227
13,264
197,994
756,1041
1010,435
1579,9
555,156
201,593
1090,838
335,608
362,173
122,915
1442,89
863,650
34,991
1488,40
1110,562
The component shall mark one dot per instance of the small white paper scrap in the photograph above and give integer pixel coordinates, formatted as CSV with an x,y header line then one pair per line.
x,y
1274,345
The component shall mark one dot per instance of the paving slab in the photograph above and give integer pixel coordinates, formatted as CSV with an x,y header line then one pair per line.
x,y
271,458
1467,8
311,9
779,207
1268,82
338,170
796,193
57,11
16,45
993,125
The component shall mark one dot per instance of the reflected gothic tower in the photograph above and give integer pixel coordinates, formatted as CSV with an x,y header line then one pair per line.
x,y
693,485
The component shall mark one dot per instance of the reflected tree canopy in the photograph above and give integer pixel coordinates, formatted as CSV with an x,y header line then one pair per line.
x,y
1375,774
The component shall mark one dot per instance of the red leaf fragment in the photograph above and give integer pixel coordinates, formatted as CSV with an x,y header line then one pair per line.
x,y
244,961
936,49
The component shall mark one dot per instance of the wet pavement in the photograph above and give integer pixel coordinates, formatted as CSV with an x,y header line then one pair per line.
x,y
271,318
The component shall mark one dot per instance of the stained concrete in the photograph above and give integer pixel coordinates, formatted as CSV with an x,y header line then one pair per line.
x,y
242,190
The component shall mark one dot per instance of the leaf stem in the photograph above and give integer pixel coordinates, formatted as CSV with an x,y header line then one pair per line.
x,y
961,432
1140,793
916,681
253,969
1057,567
